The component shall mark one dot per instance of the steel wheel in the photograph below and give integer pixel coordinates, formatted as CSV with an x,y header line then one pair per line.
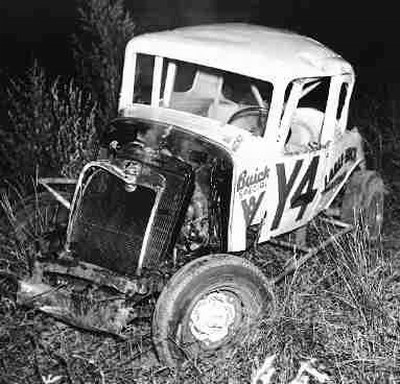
x,y
207,307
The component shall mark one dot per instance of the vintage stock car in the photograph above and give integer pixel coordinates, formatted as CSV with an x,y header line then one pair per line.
x,y
227,136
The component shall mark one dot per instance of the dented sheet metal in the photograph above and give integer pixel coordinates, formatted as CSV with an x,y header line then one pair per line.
x,y
105,278
87,296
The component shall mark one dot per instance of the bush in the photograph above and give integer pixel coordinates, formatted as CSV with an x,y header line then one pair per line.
x,y
52,124
50,128
104,28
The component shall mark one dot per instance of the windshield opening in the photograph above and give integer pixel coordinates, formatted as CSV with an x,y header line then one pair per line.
x,y
224,96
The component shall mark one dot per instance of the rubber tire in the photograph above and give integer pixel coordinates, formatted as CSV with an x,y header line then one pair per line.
x,y
203,276
363,202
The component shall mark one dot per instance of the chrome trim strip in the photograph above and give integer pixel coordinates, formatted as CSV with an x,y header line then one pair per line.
x,y
148,230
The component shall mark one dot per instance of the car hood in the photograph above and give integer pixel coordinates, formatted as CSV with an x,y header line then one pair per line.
x,y
226,136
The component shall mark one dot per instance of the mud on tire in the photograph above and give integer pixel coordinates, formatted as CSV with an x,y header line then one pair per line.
x,y
207,307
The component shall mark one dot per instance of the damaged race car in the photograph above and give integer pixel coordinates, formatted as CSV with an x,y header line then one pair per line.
x,y
228,136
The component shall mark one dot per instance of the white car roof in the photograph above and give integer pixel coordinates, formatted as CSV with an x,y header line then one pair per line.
x,y
256,51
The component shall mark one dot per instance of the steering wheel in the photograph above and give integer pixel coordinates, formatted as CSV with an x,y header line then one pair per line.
x,y
254,119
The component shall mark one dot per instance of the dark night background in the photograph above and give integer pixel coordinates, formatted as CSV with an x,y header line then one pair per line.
x,y
365,33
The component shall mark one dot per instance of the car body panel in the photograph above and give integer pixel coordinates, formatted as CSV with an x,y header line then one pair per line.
x,y
266,183
270,180
251,50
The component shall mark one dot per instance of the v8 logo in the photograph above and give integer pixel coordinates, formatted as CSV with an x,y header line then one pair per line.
x,y
250,207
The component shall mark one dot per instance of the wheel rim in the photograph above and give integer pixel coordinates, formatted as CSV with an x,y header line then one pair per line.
x,y
214,318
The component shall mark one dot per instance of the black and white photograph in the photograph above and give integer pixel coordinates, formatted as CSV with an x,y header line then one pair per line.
x,y
199,192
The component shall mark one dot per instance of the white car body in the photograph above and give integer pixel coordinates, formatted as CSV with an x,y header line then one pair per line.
x,y
279,184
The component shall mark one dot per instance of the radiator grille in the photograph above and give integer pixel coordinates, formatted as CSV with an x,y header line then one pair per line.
x,y
110,223
173,201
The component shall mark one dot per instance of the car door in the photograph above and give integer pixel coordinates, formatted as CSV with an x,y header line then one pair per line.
x,y
298,173
296,187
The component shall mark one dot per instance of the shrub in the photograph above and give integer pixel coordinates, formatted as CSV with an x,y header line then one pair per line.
x,y
104,28
50,128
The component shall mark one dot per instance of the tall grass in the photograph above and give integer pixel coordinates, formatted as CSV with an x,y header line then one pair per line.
x,y
50,127
337,309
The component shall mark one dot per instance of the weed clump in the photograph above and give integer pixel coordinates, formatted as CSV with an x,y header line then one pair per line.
x,y
50,128
336,309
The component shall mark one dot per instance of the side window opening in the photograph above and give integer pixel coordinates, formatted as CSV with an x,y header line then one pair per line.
x,y
184,77
308,118
219,95
315,95
163,78
195,88
143,78
246,102
246,91
227,97
342,100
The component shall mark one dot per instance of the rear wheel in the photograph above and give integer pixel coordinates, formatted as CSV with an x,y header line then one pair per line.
x,y
207,307
362,203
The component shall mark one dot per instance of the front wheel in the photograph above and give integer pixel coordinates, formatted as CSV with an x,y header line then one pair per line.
x,y
362,203
207,307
